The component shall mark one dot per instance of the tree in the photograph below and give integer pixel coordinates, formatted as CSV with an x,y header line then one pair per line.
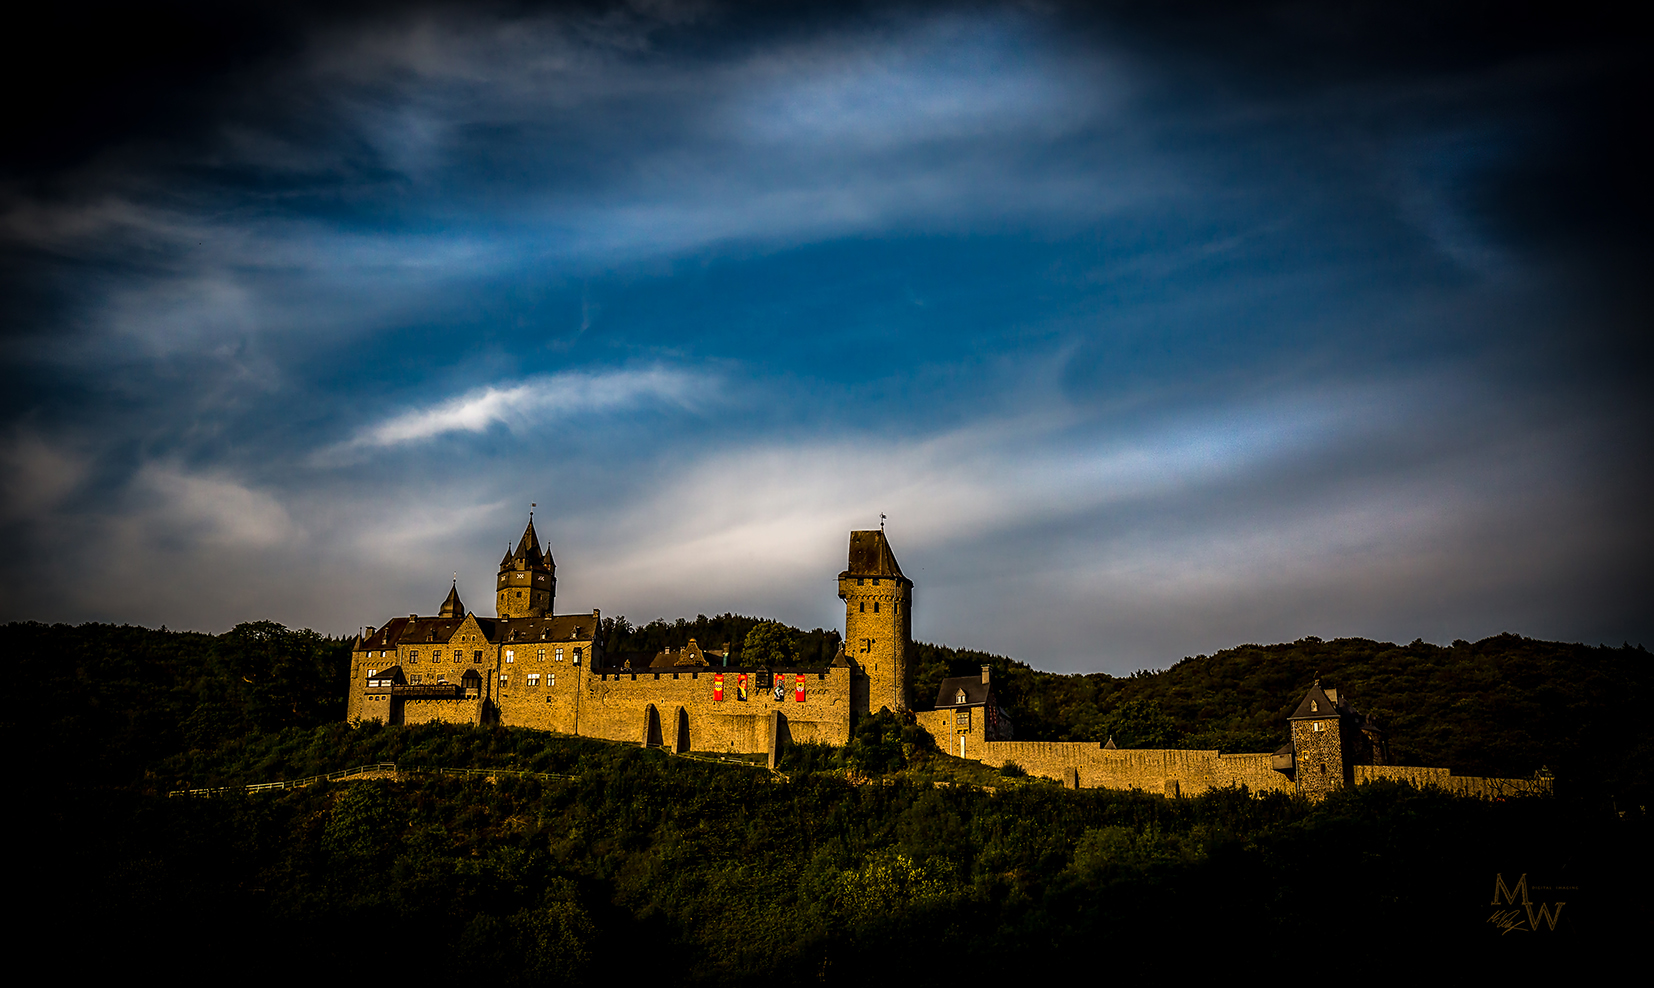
x,y
769,643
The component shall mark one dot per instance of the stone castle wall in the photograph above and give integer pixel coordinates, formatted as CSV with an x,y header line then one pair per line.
x,y
1463,785
1173,771
432,710
616,705
677,707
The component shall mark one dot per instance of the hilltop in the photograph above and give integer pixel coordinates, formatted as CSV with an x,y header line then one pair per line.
x,y
122,698
554,864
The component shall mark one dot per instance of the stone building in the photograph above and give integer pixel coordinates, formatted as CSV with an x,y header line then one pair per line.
x,y
531,667
966,715
1329,740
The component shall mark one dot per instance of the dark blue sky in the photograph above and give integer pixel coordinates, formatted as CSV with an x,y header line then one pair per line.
x,y
1153,329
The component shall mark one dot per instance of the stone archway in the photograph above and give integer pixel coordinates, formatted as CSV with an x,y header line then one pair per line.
x,y
651,727
680,740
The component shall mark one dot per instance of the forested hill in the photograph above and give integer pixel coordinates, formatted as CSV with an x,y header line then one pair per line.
x,y
625,864
118,699
1505,705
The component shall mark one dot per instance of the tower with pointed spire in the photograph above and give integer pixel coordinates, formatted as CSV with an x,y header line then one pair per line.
x,y
527,585
453,607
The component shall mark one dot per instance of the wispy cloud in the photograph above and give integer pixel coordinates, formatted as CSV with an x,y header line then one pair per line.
x,y
534,401
209,510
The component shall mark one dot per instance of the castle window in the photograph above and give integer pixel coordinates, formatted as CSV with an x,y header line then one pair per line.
x,y
542,655
960,698
863,607
1317,725
1314,707
533,679
875,581
477,656
551,679
559,655
503,680
860,581
372,673
577,656
875,603
510,656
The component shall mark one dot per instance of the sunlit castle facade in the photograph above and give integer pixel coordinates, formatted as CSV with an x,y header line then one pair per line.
x,y
531,667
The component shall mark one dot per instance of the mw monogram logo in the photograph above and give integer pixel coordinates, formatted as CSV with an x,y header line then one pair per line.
x,y
1511,920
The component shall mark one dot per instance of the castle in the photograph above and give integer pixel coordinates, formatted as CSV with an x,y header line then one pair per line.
x,y
530,667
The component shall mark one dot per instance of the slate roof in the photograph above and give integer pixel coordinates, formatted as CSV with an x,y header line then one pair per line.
x,y
385,637
1316,705
870,555
690,655
414,630
528,554
976,692
558,628
390,676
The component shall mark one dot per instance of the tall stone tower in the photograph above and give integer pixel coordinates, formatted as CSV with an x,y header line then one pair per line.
x,y
878,622
527,586
1323,744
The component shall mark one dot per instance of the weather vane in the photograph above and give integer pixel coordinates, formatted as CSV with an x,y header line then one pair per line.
x,y
881,521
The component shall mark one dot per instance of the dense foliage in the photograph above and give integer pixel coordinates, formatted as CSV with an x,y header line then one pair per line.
x,y
1503,706
580,861
649,868
112,700
812,648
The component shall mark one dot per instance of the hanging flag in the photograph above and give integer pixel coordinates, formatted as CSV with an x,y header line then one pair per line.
x,y
741,687
798,688
717,687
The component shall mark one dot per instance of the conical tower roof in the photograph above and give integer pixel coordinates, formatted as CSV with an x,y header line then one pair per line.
x,y
453,607
528,554
529,545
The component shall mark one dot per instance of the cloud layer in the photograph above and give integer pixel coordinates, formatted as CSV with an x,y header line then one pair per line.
x,y
1151,333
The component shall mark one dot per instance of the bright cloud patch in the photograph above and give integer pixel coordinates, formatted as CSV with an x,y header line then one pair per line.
x,y
535,400
212,510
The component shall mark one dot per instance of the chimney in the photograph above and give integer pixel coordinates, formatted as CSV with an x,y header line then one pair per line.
x,y
985,675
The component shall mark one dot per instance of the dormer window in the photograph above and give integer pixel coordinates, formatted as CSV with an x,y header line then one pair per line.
x,y
960,698
1314,707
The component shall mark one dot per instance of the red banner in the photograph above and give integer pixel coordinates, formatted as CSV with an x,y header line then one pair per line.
x,y
718,687
741,686
798,688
